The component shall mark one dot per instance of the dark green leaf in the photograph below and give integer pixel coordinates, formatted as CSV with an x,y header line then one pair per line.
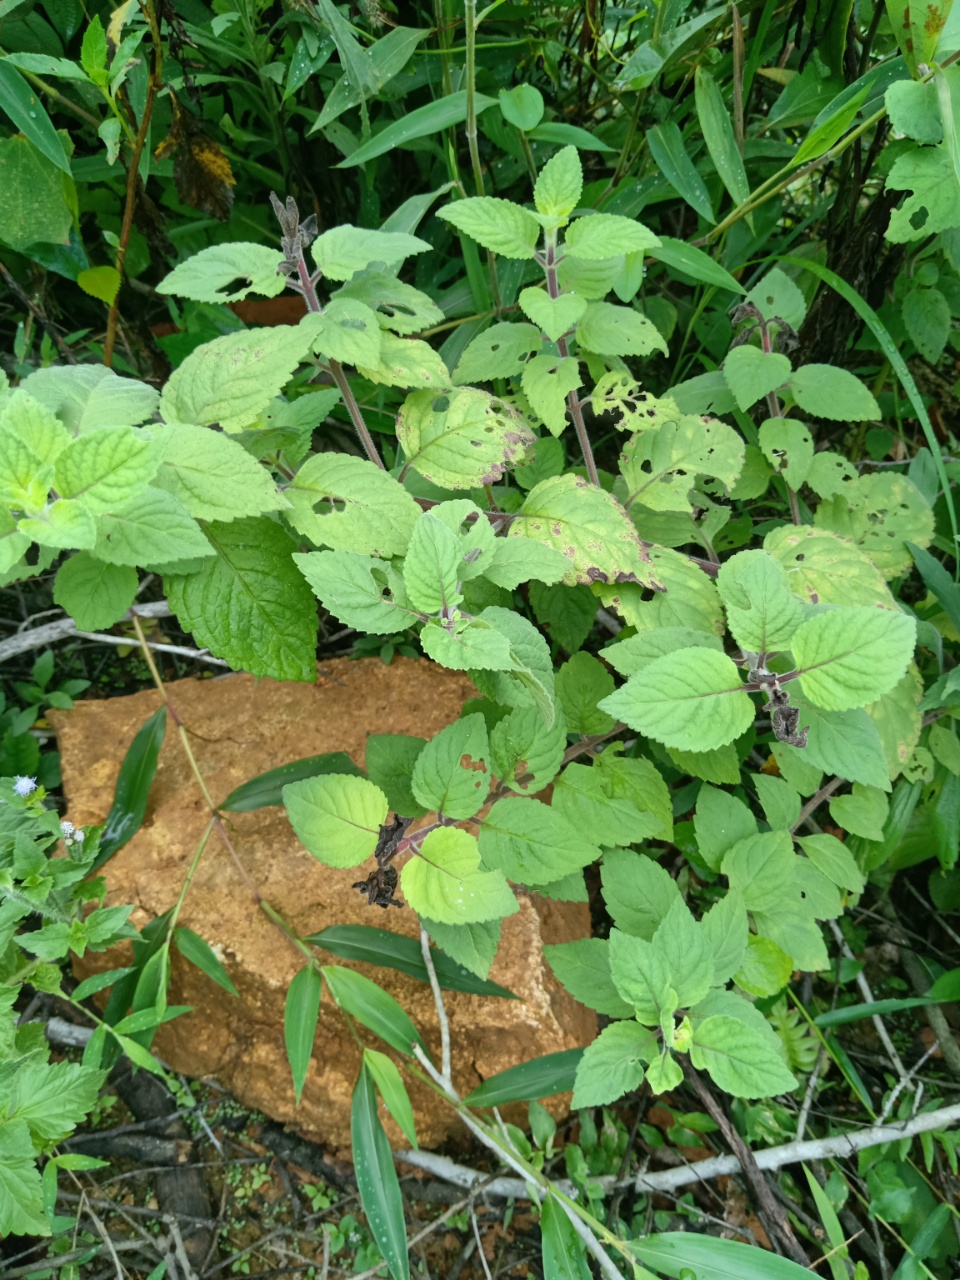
x,y
267,788
371,1005
300,1014
937,580
377,1179
539,1078
682,1253
199,952
22,104
854,1012
393,951
133,788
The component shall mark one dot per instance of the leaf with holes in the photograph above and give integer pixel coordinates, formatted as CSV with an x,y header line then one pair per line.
x,y
451,774
881,513
499,352
350,504
659,467
609,330
227,273
547,381
362,591
463,438
346,330
406,362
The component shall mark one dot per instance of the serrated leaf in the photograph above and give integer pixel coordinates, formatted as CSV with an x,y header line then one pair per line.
x,y
580,684
721,821
248,604
834,859
522,106
35,425
444,881
788,447
692,700
227,273
362,591
350,504
430,567
555,316
613,1064
21,1196
406,362
342,251
926,314
474,645
514,562
607,235
823,568
638,892
346,330
849,657
390,760
827,391
742,1063
472,946
581,796
765,969
213,476
583,969
751,373
95,594
567,614
525,754
725,929
462,438
499,352
547,380
87,397
639,781
531,844
153,528
51,1098
880,513
610,330
337,817
528,680
588,526
931,174
762,613
683,596
63,524
559,184
451,774
398,306
659,466
863,812
499,225
845,743
779,800
232,379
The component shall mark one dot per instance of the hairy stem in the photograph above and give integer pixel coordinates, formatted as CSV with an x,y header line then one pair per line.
x,y
573,403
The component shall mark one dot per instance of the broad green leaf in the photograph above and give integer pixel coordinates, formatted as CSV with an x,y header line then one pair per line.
x,y
607,235
559,184
930,173
581,796
25,481
928,319
377,1179
641,974
540,1078
788,447
95,594
499,225
583,969
390,760
555,316
227,273
472,946
717,127
105,469
547,381
431,567
213,476
231,380
765,969
823,568
614,1064
639,781
132,791
473,645
499,352
725,929
393,1091
721,821
398,306
88,397
300,1014
829,473
580,684
444,882
742,1063
682,943
525,754
362,591
638,892
267,788
658,466
371,1006
562,1250
346,330
609,330
451,774
846,743
696,264
528,680
692,699
24,108
834,859
406,362
775,884
776,296
393,951
721,766
829,392
897,720
880,513
670,155
589,279
684,596
566,614
248,604
21,1196
849,657
762,613
531,844
944,746
348,503
35,426
863,812
751,373
522,106
913,109
462,438
336,817
588,526
779,801
200,952
342,251
52,1098
514,562
63,524
422,122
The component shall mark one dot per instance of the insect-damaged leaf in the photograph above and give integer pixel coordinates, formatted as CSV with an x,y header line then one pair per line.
x,y
461,438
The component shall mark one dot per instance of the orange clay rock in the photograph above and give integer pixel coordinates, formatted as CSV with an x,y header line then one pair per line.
x,y
241,727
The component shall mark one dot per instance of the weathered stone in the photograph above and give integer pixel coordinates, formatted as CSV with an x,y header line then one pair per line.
x,y
240,727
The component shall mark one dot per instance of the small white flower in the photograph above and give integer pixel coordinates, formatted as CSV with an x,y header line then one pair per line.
x,y
23,786
66,829
78,836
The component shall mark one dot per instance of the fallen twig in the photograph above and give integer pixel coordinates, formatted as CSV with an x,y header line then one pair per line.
x,y
35,637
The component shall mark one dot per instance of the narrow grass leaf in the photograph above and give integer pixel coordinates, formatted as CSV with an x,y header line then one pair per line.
x,y
133,788
300,1014
267,788
199,952
377,1179
538,1078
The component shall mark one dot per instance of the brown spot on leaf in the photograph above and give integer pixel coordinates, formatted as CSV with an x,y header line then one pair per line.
x,y
474,766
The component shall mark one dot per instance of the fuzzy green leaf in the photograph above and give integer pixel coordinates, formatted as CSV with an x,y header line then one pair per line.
x,y
362,591
555,316
607,235
581,683
849,657
213,476
499,225
95,594
609,330
336,816
547,381
153,528
344,250
743,1063
350,504
463,438
227,273
398,307
430,567
583,969
659,466
346,330
788,447
762,613
881,514
531,843
451,774
524,753
613,1064
444,881
559,184
638,892
751,373
499,352
823,568
830,392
